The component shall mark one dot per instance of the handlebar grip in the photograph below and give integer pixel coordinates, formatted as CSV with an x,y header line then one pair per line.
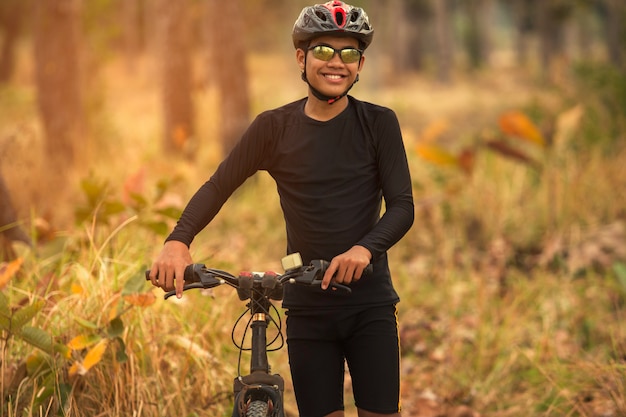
x,y
189,277
190,273
342,288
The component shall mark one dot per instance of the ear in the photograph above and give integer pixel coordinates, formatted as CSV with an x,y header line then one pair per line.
x,y
361,62
300,59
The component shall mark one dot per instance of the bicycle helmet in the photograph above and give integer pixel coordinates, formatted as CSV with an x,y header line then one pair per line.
x,y
332,18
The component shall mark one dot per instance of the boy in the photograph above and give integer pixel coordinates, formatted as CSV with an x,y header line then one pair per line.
x,y
334,159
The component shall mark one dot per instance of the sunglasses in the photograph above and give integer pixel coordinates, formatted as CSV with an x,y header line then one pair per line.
x,y
326,53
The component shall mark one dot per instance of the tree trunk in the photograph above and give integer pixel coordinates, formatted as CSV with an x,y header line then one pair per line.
x,y
133,30
11,21
58,78
477,39
615,31
10,230
227,43
552,17
443,30
524,22
176,72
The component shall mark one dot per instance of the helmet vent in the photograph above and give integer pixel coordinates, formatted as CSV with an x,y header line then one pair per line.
x,y
339,18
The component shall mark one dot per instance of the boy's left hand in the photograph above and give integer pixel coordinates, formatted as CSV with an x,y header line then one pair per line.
x,y
347,267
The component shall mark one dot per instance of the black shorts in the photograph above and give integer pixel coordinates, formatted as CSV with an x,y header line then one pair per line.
x,y
321,342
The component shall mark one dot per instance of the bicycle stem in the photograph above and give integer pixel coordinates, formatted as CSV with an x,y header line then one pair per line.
x,y
258,359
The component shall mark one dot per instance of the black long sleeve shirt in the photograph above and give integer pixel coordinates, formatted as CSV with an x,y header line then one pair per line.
x,y
332,178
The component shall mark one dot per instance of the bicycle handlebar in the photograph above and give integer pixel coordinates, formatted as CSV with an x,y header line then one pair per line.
x,y
198,276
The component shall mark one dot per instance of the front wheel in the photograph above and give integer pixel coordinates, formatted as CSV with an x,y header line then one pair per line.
x,y
257,408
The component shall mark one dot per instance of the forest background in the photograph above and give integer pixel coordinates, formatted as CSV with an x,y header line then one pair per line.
x,y
513,278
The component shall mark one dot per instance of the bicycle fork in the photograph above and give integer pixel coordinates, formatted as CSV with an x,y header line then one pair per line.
x,y
260,384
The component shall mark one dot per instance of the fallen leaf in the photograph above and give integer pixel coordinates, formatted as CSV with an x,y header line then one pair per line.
x,y
517,124
8,271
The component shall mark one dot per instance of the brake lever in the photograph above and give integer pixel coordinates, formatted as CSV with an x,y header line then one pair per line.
x,y
314,273
333,286
185,288
196,276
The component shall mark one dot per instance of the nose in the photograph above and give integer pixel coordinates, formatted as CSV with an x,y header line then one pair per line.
x,y
336,59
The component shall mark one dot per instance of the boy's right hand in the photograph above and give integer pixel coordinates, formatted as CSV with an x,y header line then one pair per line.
x,y
168,269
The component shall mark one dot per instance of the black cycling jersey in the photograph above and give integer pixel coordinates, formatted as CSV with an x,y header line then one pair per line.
x,y
332,178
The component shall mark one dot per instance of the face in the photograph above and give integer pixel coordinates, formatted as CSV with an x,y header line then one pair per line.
x,y
331,77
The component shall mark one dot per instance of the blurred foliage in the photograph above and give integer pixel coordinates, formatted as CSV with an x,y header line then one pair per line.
x,y
104,205
604,90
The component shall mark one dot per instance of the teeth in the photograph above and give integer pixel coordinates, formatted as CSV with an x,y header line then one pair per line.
x,y
333,77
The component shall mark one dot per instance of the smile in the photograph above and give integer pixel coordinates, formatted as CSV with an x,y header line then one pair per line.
x,y
333,76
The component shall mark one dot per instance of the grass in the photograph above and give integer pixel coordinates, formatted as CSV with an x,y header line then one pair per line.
x,y
512,279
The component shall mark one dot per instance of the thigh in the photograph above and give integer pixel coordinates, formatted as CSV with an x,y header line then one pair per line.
x,y
373,356
316,362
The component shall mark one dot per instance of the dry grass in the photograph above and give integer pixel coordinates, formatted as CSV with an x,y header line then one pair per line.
x,y
495,320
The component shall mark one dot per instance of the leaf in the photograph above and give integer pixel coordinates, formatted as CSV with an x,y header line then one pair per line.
x,y
5,313
76,288
86,324
433,131
111,208
136,283
94,190
25,314
36,362
63,350
507,150
116,328
82,341
120,353
77,368
170,212
133,187
141,300
158,227
37,338
466,160
94,356
620,271
517,124
8,271
436,154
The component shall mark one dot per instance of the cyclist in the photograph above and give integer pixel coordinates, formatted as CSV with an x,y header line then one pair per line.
x,y
334,159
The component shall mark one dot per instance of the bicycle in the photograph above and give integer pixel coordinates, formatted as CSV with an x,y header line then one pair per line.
x,y
260,393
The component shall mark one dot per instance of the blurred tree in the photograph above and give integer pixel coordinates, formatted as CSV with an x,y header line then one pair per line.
x,y
477,34
551,19
443,39
9,226
132,18
409,24
12,16
613,13
228,64
420,15
58,78
522,14
174,31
